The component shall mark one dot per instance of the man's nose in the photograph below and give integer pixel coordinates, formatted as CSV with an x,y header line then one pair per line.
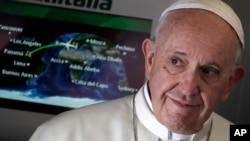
x,y
189,83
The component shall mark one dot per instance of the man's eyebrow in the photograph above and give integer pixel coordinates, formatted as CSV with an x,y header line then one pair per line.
x,y
180,53
211,63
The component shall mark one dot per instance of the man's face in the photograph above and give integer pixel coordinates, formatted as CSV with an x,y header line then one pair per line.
x,y
191,71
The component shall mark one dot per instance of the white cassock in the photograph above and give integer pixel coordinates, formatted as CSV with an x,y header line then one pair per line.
x,y
115,121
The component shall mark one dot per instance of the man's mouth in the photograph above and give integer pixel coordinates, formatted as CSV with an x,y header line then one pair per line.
x,y
183,104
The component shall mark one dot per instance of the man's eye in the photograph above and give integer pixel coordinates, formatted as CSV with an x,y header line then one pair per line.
x,y
175,65
210,74
210,71
176,62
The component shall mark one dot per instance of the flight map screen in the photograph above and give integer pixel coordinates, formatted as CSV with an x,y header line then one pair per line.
x,y
68,58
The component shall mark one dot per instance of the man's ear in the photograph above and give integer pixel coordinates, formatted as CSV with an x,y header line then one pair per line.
x,y
148,51
236,77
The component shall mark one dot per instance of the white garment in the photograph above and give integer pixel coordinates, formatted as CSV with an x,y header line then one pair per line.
x,y
109,121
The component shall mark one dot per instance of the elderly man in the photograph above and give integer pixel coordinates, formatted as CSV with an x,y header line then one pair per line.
x,y
192,65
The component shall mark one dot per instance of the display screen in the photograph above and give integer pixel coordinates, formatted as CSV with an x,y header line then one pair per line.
x,y
53,59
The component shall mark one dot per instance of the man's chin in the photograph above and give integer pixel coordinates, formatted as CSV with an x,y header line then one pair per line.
x,y
182,125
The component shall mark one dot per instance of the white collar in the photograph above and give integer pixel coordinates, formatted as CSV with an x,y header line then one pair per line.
x,y
144,112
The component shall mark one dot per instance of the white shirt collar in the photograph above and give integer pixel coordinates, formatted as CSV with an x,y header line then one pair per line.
x,y
145,115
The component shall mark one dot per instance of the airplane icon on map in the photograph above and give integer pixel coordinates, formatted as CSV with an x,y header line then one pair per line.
x,y
68,44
